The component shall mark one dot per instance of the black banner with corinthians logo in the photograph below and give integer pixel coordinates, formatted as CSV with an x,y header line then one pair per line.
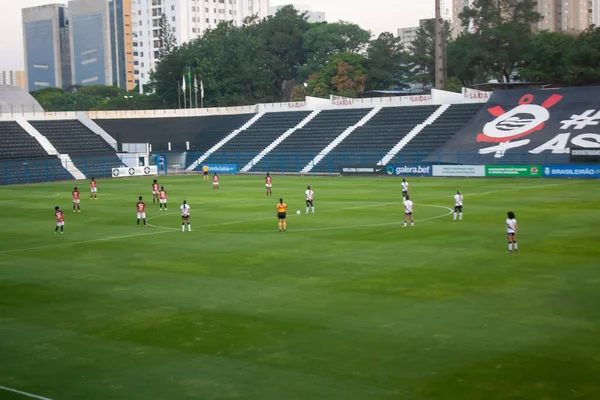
x,y
532,126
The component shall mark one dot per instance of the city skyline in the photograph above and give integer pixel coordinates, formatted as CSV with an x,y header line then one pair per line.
x,y
11,40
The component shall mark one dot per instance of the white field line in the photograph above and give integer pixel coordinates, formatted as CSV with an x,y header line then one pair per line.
x,y
330,228
167,230
33,396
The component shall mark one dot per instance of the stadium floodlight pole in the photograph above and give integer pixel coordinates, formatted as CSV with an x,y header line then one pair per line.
x,y
440,48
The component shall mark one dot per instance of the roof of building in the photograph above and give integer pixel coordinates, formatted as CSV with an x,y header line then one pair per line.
x,y
15,99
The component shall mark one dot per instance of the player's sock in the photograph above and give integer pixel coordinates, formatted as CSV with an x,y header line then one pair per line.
x,y
460,216
62,228
189,227
182,227
56,230
284,226
454,216
138,222
307,210
516,247
313,210
412,224
145,224
509,246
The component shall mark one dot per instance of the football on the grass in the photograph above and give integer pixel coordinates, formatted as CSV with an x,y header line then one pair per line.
x,y
298,212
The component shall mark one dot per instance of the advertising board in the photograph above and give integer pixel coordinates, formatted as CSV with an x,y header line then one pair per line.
x,y
134,171
513,170
408,169
571,171
458,170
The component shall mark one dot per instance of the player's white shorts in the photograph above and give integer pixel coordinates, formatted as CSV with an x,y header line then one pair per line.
x,y
60,223
76,201
216,183
94,190
163,201
268,185
154,192
141,215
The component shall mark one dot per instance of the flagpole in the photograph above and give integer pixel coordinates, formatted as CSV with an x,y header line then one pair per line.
x,y
179,95
201,94
184,95
190,84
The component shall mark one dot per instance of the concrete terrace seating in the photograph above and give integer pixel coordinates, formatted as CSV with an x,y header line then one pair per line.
x,y
201,132
369,143
16,143
433,136
36,170
245,146
72,137
303,145
90,153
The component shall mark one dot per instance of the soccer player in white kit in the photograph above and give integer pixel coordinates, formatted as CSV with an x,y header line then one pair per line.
x,y
404,188
458,204
310,197
511,232
408,211
185,216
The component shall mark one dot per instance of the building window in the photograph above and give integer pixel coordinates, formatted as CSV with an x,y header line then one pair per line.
x,y
155,23
141,54
230,12
141,44
173,19
156,44
221,11
142,65
222,1
136,72
206,10
136,63
194,30
193,8
207,21
140,23
172,8
156,54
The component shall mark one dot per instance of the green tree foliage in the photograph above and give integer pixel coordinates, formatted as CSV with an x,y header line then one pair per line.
x,y
298,93
326,39
562,59
168,42
344,75
422,52
502,33
386,62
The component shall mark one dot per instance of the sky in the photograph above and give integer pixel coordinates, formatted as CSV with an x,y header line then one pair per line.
x,y
374,15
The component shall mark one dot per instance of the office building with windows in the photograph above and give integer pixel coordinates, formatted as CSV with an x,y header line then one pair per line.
x,y
13,78
188,19
101,43
46,47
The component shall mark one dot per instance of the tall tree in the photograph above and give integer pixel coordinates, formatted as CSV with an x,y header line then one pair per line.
x,y
168,42
344,75
386,62
324,40
503,30
422,52
283,38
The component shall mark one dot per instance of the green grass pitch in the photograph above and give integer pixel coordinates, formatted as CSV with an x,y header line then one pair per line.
x,y
344,305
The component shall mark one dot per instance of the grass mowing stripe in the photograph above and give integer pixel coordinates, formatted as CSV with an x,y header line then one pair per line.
x,y
33,396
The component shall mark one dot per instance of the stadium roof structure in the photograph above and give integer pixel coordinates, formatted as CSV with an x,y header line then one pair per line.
x,y
15,99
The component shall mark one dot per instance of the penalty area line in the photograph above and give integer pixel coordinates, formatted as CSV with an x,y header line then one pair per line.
x,y
31,395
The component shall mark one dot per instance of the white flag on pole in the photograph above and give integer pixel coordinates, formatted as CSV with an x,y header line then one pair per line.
x,y
195,84
183,85
201,89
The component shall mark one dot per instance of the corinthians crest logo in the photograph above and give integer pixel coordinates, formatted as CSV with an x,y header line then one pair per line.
x,y
524,119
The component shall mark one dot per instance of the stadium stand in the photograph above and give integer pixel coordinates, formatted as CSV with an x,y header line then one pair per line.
x,y
201,132
433,136
32,171
243,147
16,143
367,144
306,142
90,153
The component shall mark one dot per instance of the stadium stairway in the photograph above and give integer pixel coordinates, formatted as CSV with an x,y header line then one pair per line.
x,y
323,153
367,144
434,135
412,134
245,146
306,142
197,164
86,151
